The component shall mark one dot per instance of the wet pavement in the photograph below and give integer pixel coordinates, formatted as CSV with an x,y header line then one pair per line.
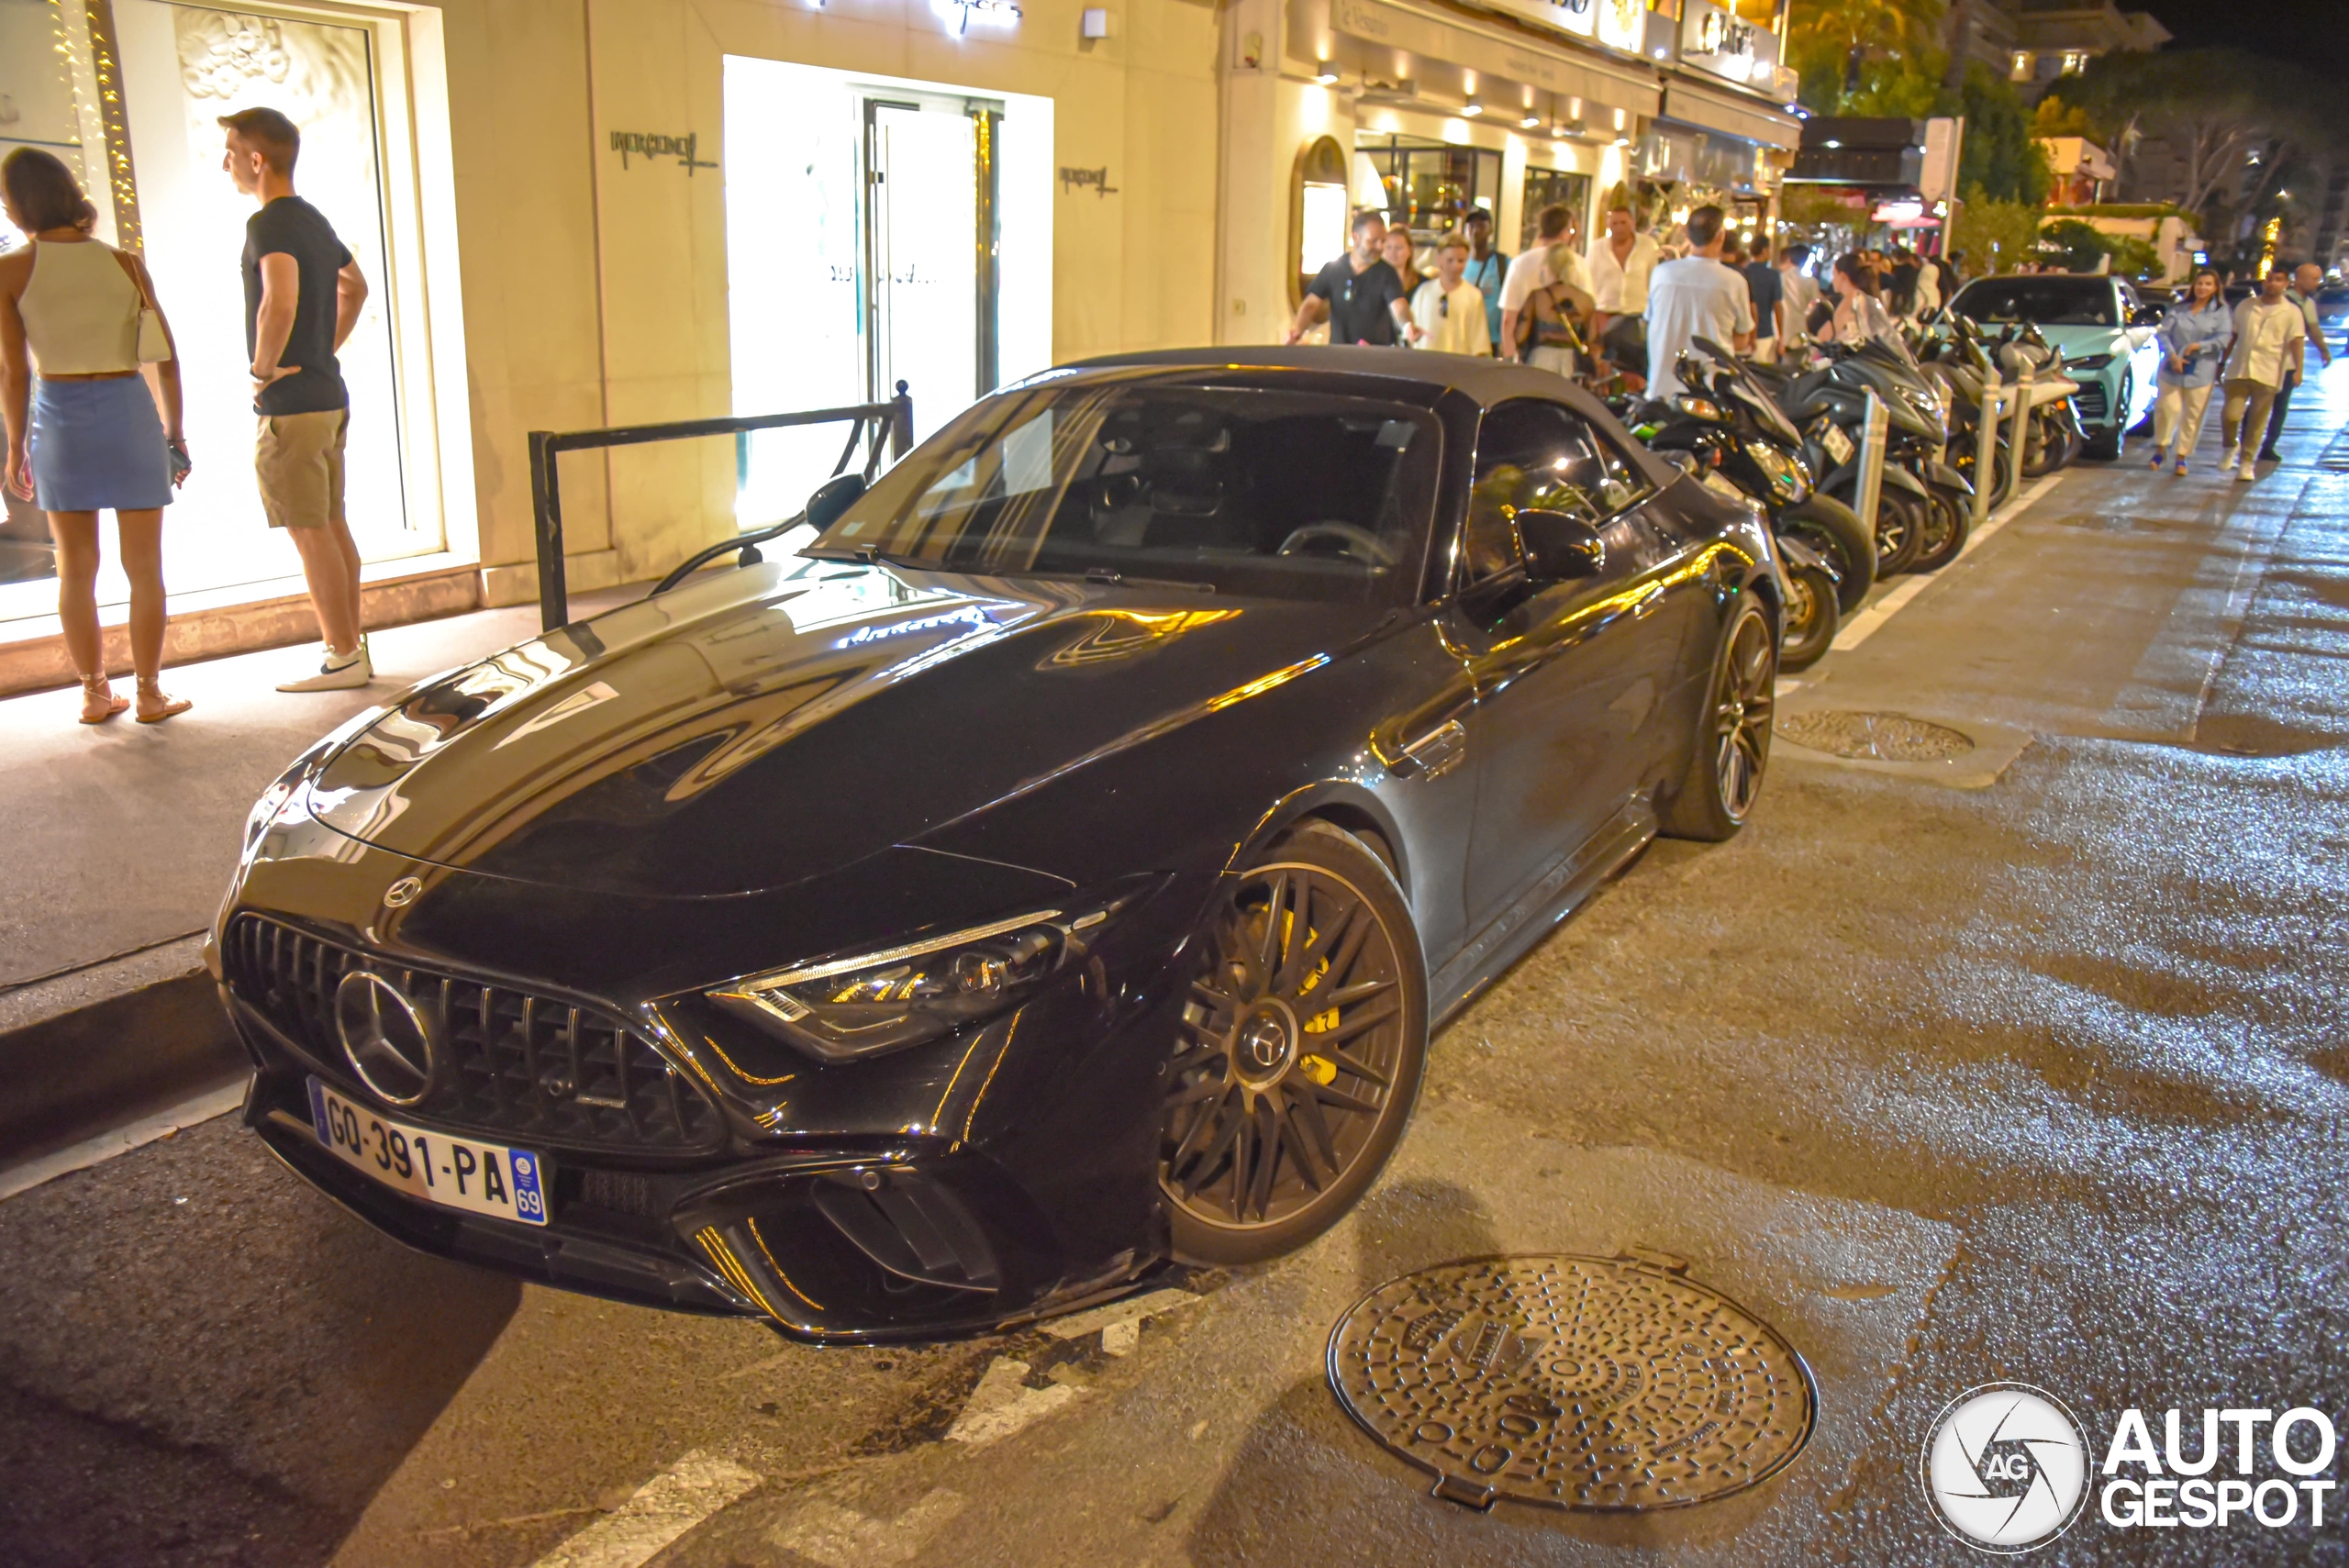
x,y
2026,1064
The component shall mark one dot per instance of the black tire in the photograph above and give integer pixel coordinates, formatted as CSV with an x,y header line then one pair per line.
x,y
1900,519
1952,513
1731,748
1811,618
1250,1165
2106,443
1834,530
2046,445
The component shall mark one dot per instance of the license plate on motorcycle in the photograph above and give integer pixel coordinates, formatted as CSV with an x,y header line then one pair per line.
x,y
493,1179
1838,444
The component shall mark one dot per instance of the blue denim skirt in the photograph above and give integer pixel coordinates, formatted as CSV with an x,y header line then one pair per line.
x,y
97,445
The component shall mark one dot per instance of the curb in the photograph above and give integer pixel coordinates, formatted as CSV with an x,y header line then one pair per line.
x,y
96,1046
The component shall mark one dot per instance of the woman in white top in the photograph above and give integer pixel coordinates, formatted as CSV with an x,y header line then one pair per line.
x,y
85,436
1448,310
1859,316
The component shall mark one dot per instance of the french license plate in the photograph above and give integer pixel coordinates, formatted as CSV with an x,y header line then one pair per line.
x,y
455,1173
1838,444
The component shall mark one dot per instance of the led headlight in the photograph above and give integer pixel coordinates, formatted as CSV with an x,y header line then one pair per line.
x,y
2088,362
1783,476
843,1009
1698,408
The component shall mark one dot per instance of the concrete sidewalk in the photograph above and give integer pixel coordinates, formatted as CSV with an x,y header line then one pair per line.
x,y
120,839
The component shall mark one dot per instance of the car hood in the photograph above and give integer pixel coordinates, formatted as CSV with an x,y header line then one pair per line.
x,y
2077,341
778,722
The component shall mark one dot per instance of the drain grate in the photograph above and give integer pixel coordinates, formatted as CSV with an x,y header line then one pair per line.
x,y
1876,736
1605,1383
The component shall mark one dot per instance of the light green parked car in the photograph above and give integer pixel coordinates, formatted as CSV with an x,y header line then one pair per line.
x,y
2106,333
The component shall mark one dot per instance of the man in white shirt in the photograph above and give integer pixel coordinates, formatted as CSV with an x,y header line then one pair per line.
x,y
2306,279
1696,296
1621,261
1534,272
1449,310
1799,290
2271,337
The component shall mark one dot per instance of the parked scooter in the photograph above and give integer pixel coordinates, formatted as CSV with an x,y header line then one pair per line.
x,y
1729,433
1925,505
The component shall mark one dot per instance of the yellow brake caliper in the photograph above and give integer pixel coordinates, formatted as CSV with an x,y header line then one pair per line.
x,y
1320,1069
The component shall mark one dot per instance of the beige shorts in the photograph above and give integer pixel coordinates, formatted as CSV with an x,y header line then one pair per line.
x,y
298,459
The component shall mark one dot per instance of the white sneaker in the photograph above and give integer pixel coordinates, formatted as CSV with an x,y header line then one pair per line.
x,y
336,674
2226,458
2245,474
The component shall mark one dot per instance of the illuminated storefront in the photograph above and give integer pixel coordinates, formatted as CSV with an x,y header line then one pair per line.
x,y
666,210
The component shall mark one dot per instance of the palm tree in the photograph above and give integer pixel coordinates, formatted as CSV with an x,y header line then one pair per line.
x,y
1854,27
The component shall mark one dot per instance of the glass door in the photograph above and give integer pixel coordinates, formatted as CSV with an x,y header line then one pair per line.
x,y
929,245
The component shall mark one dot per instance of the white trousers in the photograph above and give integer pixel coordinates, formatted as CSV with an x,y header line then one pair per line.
x,y
1560,361
2177,418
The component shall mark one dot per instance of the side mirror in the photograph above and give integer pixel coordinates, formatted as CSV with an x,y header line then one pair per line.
x,y
2146,315
1558,547
832,497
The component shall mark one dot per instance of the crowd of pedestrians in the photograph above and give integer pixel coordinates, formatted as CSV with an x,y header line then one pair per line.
x,y
90,397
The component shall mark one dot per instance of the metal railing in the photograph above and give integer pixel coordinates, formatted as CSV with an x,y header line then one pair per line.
x,y
896,417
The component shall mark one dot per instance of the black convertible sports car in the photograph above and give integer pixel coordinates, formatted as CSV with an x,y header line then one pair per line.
x,y
1056,866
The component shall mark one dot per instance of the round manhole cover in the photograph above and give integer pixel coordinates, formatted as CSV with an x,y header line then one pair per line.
x,y
1609,1383
1876,736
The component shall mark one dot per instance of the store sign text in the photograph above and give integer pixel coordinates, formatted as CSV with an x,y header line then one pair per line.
x,y
648,144
1094,180
960,12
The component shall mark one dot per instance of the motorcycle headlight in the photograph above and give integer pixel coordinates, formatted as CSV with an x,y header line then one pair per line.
x,y
2088,362
862,1004
1698,408
1783,477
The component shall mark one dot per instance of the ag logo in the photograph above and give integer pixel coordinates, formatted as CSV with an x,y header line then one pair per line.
x,y
2006,1468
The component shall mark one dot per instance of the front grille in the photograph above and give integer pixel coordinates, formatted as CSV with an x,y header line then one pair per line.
x,y
506,1061
2089,403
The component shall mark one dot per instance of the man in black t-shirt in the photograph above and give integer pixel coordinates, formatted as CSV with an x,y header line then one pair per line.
x,y
303,293
1359,294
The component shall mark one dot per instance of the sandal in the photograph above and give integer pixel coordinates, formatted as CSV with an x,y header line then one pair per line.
x,y
98,701
154,706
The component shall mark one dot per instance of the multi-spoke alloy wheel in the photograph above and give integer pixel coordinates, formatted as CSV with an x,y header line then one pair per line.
x,y
1733,736
1300,1052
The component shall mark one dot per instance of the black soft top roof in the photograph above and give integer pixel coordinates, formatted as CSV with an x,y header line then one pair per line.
x,y
1488,381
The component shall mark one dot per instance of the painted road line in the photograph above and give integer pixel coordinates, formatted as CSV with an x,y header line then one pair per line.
x,y
121,1140
1862,627
662,1509
1153,1304
1002,1403
825,1531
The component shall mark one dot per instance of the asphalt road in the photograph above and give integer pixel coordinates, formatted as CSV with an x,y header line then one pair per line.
x,y
2027,1064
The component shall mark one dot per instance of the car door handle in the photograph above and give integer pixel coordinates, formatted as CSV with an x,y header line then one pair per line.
x,y
1435,753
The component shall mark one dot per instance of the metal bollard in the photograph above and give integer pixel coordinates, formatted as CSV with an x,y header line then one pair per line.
x,y
2023,402
1986,456
1872,436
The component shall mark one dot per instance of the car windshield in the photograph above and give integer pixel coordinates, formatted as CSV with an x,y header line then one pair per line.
x,y
1235,489
2050,302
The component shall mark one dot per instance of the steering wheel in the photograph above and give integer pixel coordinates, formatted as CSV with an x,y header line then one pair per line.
x,y
1360,543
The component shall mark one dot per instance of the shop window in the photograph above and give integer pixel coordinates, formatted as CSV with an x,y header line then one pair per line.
x,y
1432,187
1554,187
135,110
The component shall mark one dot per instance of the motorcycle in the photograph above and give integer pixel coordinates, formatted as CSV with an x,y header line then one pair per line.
x,y
1726,430
1925,503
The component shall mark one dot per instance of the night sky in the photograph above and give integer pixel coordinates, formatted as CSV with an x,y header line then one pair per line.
x,y
2314,32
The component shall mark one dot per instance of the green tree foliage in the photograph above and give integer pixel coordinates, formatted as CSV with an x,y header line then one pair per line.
x,y
1996,235
1998,153
1835,39
1904,88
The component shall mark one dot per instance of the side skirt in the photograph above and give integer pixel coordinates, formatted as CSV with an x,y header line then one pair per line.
x,y
1546,903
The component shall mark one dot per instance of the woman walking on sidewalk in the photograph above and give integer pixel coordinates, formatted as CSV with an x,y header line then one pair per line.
x,y
84,436
2193,340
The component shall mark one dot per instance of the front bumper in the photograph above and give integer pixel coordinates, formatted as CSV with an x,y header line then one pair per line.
x,y
856,1240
